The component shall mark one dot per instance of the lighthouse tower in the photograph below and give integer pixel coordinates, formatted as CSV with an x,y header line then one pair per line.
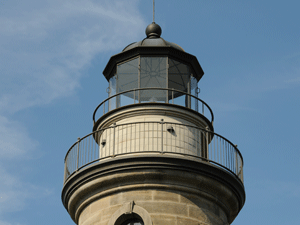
x,y
153,157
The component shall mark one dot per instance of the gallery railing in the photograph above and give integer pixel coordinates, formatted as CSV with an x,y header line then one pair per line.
x,y
154,137
149,95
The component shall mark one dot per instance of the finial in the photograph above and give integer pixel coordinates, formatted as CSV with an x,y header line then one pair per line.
x,y
153,30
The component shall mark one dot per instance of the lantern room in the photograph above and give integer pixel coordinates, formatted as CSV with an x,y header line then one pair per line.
x,y
153,70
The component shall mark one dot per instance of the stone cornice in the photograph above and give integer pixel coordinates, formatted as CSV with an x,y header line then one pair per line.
x,y
153,172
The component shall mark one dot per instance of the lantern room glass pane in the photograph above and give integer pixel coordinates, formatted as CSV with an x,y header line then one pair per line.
x,y
112,91
179,79
127,80
179,76
127,75
195,91
153,74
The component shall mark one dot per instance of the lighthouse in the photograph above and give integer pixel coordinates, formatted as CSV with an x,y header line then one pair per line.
x,y
153,157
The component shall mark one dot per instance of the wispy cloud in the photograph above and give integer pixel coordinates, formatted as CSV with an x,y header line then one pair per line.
x,y
293,80
276,75
240,91
6,223
14,192
43,50
16,148
15,142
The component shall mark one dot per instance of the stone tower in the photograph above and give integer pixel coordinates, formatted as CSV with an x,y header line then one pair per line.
x,y
153,157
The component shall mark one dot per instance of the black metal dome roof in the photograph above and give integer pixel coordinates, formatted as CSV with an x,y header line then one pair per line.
x,y
153,45
153,32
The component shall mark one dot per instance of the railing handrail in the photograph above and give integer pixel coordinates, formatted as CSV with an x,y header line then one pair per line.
x,y
153,88
208,159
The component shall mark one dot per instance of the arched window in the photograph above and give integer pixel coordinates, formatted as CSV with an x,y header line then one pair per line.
x,y
129,219
130,214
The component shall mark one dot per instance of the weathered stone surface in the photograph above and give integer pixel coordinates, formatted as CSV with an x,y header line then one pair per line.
x,y
141,195
100,205
86,213
165,196
164,207
162,219
101,223
106,213
170,208
189,221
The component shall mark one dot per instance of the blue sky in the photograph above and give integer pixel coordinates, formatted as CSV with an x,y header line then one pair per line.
x,y
52,54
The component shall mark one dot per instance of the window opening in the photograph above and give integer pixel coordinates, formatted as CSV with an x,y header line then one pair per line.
x,y
133,222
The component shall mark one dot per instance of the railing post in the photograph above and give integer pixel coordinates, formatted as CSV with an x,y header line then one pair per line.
x,y
78,142
108,103
167,96
173,96
65,172
188,101
162,136
197,91
139,96
242,174
207,143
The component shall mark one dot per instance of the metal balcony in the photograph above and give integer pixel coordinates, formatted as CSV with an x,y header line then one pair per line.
x,y
164,138
154,95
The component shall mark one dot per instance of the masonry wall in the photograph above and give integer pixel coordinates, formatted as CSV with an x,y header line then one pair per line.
x,y
147,130
164,207
147,133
